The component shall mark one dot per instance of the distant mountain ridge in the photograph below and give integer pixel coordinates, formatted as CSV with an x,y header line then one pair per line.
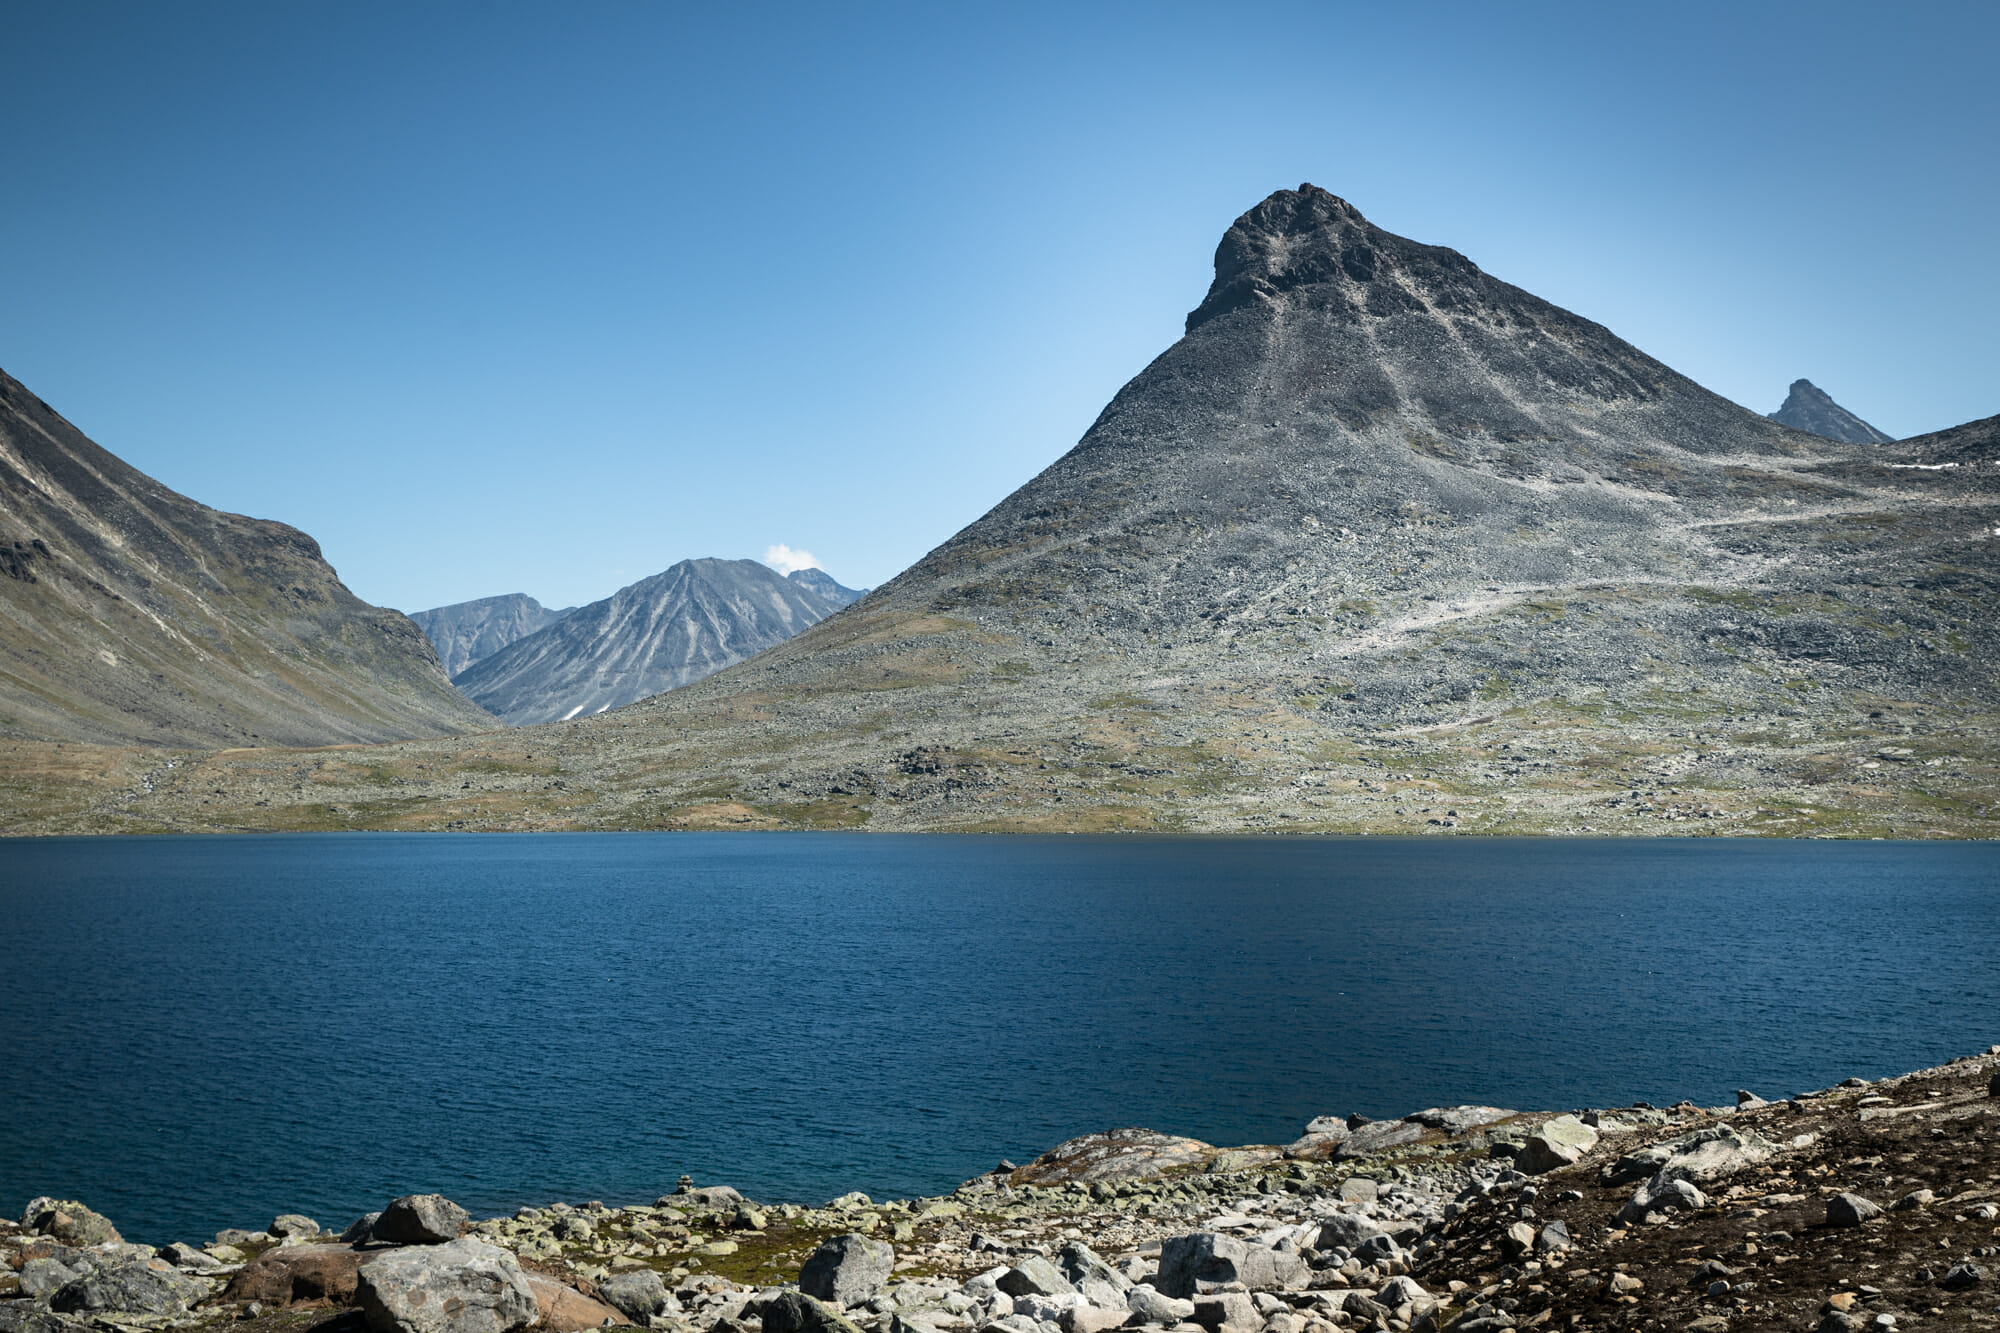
x,y
684,623
1808,407
467,632
135,615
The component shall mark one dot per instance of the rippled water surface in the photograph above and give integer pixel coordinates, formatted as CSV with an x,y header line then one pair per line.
x,y
202,1032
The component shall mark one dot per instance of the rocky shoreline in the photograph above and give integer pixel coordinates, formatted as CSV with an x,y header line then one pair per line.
x,y
1862,1206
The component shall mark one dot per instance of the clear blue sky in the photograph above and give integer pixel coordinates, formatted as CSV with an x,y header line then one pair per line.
x,y
495,297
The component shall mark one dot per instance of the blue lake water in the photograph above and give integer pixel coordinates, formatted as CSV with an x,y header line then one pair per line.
x,y
203,1032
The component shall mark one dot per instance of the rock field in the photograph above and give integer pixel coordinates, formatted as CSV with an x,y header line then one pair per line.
x,y
1862,1206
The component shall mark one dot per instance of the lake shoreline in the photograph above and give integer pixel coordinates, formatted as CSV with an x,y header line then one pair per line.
x,y
1468,1218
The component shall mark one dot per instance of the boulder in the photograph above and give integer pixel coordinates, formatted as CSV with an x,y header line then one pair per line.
x,y
1359,1189
1100,1283
1321,1138
1554,1143
1034,1276
1118,1154
1193,1264
1962,1277
360,1229
1849,1210
1459,1119
637,1295
1151,1307
1517,1241
289,1225
182,1255
44,1276
1401,1291
848,1269
297,1274
69,1222
460,1286
561,1309
1232,1310
130,1286
796,1312
1345,1231
1554,1238
420,1219
24,1317
1086,1318
1378,1136
1662,1196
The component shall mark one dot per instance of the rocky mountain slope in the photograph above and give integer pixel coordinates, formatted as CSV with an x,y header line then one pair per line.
x,y
468,632
675,627
1862,1206
134,615
1383,544
1807,407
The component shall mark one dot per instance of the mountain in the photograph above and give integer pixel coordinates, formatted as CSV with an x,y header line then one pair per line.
x,y
1382,544
467,632
135,615
821,583
1807,407
675,627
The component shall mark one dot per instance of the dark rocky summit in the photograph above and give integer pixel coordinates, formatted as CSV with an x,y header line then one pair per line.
x,y
468,632
1861,1206
675,627
134,615
1383,544
1807,407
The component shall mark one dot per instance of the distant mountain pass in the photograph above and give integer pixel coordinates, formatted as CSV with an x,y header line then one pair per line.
x,y
675,627
467,632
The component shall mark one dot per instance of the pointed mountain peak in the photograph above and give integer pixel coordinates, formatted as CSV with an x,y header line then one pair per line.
x,y
1303,237
1810,408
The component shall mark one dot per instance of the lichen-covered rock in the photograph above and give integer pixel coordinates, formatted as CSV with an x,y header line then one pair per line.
x,y
637,1295
1193,1264
1554,1143
69,1222
796,1312
848,1269
131,1286
420,1219
289,1225
26,1317
1118,1154
460,1286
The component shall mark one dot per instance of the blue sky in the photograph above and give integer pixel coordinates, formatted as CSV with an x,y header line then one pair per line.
x,y
498,297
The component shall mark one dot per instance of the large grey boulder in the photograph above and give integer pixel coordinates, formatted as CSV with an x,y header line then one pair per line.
x,y
1100,1283
131,1286
1152,1307
45,1276
1118,1154
68,1222
849,1269
27,1317
461,1286
796,1312
1035,1276
1227,1310
1459,1119
1195,1264
420,1219
1378,1136
637,1295
1345,1231
1554,1143
1321,1139
1660,1195
1850,1210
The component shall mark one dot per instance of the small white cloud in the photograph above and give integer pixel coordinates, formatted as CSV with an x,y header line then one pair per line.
x,y
785,560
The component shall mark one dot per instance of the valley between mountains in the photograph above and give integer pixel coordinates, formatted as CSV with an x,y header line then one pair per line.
x,y
1382,545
